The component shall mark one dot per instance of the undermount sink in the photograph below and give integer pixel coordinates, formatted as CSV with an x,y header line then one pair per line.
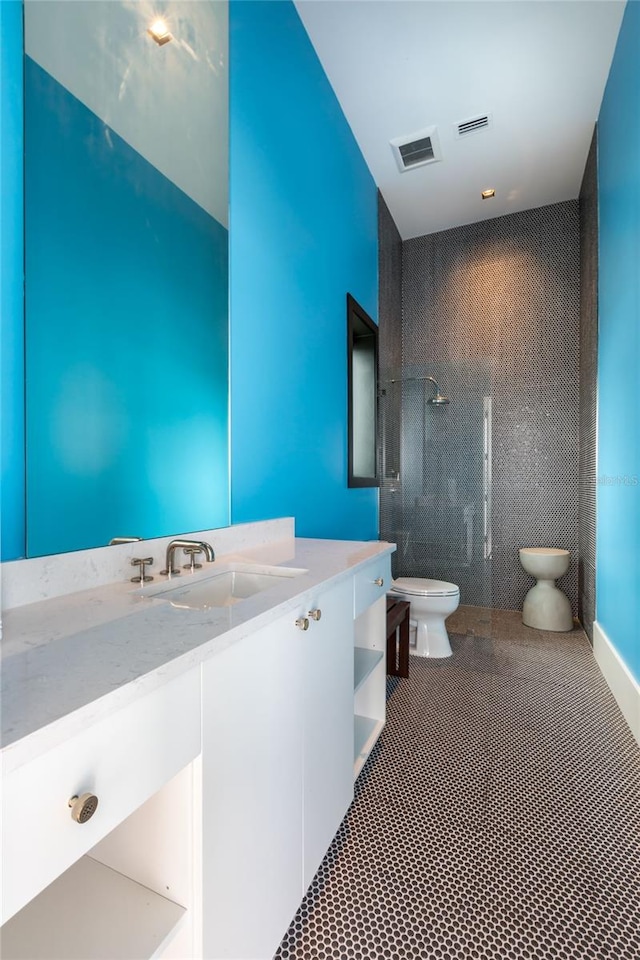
x,y
221,588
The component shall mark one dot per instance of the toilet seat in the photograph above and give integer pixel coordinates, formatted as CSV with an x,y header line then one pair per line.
x,y
424,587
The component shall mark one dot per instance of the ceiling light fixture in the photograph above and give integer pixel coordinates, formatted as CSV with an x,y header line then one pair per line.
x,y
160,31
488,194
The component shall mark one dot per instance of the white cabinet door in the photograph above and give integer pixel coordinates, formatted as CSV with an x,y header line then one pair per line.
x,y
277,762
252,788
328,721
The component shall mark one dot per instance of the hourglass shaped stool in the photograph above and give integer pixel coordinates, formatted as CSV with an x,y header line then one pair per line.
x,y
545,606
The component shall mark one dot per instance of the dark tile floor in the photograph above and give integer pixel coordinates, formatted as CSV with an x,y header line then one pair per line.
x,y
498,816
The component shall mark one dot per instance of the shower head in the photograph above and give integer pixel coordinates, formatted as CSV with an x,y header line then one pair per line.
x,y
437,400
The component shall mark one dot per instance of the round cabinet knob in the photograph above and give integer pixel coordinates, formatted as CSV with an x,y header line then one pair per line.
x,y
83,807
302,623
379,582
315,614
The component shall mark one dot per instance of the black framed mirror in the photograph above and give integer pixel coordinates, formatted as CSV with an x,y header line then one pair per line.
x,y
362,380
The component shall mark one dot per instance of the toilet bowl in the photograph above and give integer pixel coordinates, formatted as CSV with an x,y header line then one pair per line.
x,y
432,601
545,606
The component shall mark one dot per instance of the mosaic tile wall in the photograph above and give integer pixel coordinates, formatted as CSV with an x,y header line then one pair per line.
x,y
492,311
588,391
390,367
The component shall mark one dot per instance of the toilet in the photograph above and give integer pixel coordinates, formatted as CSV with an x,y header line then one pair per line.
x,y
545,606
432,601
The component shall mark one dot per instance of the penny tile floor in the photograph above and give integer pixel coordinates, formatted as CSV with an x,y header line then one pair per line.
x,y
498,816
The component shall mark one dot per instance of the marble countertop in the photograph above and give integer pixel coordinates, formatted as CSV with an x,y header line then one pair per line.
x,y
69,661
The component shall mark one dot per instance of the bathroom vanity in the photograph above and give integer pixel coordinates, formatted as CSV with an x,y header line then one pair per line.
x,y
221,743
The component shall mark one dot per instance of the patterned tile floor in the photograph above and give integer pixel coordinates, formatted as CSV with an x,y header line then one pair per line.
x,y
498,816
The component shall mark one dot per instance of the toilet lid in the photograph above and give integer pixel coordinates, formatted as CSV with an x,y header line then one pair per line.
x,y
424,587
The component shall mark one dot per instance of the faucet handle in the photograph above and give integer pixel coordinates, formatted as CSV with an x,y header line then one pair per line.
x,y
192,553
139,562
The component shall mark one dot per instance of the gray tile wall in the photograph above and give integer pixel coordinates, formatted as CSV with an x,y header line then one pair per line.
x,y
588,391
390,367
490,310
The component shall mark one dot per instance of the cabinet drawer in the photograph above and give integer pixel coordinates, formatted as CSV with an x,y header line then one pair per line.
x,y
123,759
365,589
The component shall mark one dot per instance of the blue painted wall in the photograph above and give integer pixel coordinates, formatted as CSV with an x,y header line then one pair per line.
x,y
303,234
618,499
126,337
12,537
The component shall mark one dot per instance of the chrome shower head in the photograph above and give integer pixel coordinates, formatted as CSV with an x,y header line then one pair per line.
x,y
437,400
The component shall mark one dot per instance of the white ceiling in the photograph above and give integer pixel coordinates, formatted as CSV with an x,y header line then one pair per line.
x,y
539,67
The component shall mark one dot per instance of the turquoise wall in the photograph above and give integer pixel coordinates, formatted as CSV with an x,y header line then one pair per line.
x,y
126,337
303,233
618,497
11,281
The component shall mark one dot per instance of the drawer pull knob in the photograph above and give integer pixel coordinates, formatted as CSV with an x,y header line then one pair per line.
x,y
302,623
315,614
83,807
379,582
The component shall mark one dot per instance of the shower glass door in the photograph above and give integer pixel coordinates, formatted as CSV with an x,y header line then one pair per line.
x,y
436,475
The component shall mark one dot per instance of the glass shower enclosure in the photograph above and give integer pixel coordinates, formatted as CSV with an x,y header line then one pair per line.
x,y
435,470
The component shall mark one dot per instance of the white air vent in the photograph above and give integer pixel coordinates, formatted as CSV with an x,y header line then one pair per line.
x,y
473,125
417,149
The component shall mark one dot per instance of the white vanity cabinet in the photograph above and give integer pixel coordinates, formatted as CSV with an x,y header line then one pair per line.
x,y
220,789
125,759
277,770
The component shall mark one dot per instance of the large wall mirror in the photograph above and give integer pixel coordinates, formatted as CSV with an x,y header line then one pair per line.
x,y
126,267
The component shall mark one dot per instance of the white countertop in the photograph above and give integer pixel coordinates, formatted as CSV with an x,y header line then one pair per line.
x,y
71,660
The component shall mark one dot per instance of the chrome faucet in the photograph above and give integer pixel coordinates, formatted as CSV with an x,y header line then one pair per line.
x,y
193,546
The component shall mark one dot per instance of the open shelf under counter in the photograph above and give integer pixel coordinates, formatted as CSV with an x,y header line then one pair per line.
x,y
366,731
364,663
91,911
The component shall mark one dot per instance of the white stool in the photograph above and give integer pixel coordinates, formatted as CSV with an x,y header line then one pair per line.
x,y
545,606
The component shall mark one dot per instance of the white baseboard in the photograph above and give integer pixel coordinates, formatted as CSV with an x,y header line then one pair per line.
x,y
622,684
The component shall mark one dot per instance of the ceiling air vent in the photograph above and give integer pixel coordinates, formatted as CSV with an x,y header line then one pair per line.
x,y
417,149
473,125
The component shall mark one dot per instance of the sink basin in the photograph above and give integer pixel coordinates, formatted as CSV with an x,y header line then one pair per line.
x,y
222,588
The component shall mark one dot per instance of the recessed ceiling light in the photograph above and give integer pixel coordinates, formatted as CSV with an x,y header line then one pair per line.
x,y
487,194
160,31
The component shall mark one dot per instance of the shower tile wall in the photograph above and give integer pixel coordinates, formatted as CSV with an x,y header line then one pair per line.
x,y
588,391
390,352
491,310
